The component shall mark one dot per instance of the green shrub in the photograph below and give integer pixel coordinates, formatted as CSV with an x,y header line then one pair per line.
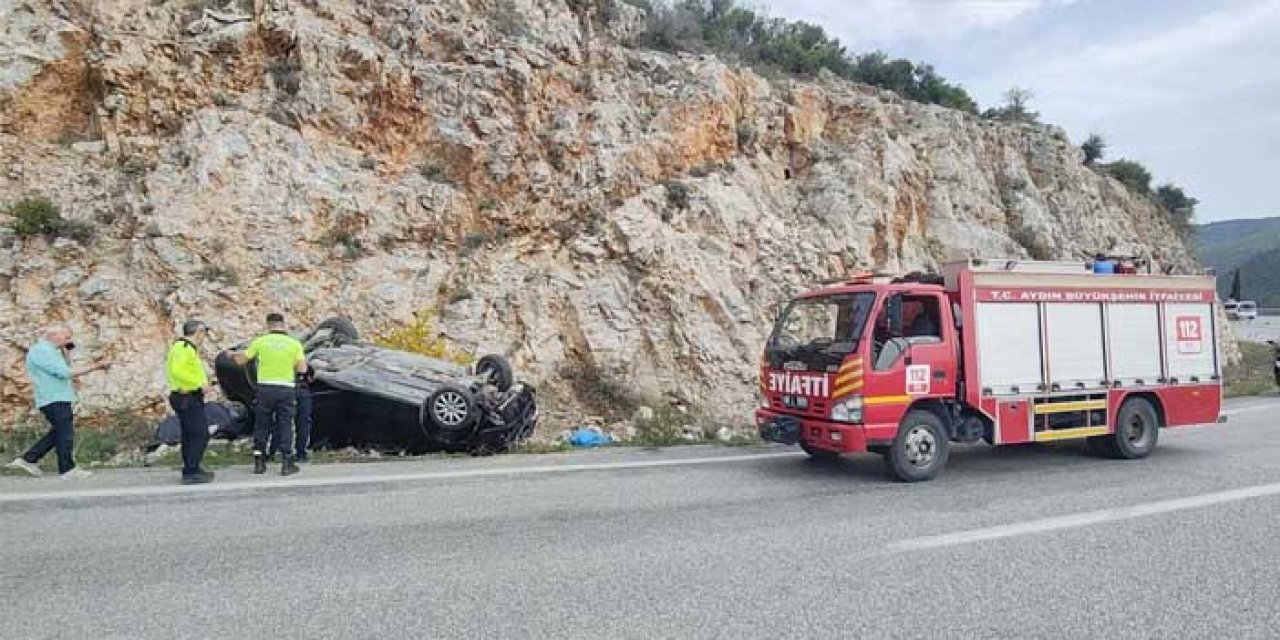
x,y
218,273
1131,174
39,216
799,48
1181,207
1015,108
35,217
1093,147
286,75
677,194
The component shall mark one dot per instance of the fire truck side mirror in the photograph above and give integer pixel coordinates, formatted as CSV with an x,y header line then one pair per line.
x,y
893,308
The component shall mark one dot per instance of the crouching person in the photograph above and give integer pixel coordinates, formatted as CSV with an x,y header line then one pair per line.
x,y
187,380
280,358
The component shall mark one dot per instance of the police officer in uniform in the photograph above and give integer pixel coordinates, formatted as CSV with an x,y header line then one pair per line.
x,y
187,380
280,358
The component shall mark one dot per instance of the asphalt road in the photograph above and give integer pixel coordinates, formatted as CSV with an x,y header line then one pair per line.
x,y
1025,542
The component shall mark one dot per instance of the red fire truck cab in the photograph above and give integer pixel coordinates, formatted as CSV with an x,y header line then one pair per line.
x,y
1003,351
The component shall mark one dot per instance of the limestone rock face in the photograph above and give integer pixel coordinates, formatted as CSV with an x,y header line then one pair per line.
x,y
551,194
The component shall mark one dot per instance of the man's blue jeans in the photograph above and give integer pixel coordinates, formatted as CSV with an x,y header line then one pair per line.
x,y
61,435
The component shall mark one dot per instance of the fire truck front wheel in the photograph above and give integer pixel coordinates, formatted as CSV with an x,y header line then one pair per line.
x,y
1137,431
921,448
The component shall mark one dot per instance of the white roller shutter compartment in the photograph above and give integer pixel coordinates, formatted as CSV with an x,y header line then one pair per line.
x,y
1076,353
1009,347
1134,331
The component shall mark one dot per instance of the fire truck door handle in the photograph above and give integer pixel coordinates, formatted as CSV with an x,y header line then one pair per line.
x,y
939,375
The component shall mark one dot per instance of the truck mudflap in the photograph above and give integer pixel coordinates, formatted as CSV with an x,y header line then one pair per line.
x,y
781,429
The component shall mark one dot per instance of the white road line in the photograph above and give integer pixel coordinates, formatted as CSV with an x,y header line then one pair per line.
x,y
1032,527
293,483
1265,407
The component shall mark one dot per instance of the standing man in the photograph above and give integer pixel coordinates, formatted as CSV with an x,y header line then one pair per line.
x,y
187,380
280,358
49,368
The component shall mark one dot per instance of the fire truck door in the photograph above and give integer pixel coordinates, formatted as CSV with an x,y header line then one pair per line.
x,y
922,361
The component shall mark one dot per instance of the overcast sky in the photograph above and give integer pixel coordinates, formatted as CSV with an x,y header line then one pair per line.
x,y
1189,88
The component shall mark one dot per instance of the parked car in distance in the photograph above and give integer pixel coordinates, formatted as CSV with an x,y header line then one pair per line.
x,y
1247,310
1230,307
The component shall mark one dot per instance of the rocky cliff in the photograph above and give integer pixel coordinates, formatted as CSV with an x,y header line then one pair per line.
x,y
550,193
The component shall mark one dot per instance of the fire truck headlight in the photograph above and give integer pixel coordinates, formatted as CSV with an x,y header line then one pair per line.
x,y
847,410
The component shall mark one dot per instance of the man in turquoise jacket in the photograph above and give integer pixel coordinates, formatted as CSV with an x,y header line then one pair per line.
x,y
49,368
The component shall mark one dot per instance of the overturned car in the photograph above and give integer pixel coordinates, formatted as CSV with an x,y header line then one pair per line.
x,y
374,397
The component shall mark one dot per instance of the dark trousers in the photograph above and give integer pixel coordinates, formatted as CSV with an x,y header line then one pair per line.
x,y
195,428
302,423
273,416
61,435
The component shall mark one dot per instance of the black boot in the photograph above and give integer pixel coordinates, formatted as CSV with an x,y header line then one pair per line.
x,y
259,464
288,468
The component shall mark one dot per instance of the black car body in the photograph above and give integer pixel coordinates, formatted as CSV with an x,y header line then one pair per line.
x,y
374,397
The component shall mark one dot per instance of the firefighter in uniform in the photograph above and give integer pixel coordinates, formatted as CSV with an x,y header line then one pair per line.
x,y
280,359
187,381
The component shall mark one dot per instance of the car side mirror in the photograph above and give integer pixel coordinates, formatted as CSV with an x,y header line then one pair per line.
x,y
893,308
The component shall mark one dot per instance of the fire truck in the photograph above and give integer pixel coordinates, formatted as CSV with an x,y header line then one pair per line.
x,y
1005,351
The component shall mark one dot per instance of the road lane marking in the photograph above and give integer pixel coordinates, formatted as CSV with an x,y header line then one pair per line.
x,y
1265,407
1077,520
294,483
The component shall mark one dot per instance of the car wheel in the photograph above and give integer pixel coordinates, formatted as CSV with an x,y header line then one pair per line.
x,y
344,330
498,370
449,410
921,448
819,454
239,383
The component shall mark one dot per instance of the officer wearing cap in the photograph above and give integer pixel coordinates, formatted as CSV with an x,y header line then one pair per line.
x,y
279,358
187,380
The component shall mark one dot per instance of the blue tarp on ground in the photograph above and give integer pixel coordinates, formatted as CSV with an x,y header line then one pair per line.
x,y
588,438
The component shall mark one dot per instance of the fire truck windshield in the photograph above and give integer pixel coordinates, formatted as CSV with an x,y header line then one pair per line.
x,y
825,328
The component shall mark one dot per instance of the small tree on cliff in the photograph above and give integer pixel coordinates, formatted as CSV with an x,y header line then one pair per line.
x,y
1235,286
1181,207
1094,147
1015,108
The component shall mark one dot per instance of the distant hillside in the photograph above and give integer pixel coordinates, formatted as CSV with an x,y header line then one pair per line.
x,y
1253,246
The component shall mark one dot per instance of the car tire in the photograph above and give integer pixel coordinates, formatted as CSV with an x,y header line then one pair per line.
x,y
498,370
238,383
921,449
821,455
344,330
1136,434
450,411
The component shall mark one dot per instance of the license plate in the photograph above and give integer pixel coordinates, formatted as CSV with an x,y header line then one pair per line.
x,y
796,402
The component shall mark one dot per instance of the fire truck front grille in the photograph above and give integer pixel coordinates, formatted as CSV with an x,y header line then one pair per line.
x,y
817,407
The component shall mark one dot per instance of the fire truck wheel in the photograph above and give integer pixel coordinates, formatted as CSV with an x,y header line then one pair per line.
x,y
1137,430
819,454
921,448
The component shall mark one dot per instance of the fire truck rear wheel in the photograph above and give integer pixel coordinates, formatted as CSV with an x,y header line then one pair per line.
x,y
921,448
1136,434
